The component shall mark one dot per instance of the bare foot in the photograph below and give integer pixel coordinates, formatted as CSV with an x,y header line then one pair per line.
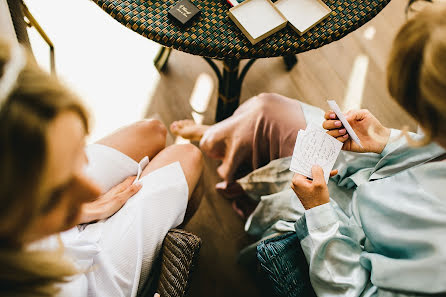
x,y
188,129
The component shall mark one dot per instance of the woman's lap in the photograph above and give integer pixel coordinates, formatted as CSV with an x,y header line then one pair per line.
x,y
145,219
262,129
278,206
130,239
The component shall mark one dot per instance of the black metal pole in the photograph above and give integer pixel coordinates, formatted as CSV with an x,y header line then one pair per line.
x,y
229,90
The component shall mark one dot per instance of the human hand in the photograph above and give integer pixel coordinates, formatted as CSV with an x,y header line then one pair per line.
x,y
314,192
109,203
373,135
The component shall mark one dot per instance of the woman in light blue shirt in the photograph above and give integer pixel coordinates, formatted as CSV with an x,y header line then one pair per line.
x,y
379,227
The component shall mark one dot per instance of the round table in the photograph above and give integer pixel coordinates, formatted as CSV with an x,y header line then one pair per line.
x,y
213,35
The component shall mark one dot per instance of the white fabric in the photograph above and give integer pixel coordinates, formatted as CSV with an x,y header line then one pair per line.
x,y
113,252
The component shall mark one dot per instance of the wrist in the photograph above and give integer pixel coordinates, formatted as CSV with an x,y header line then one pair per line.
x,y
87,216
309,204
383,138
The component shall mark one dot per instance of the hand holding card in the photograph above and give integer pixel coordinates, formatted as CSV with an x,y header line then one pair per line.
x,y
366,127
314,147
334,106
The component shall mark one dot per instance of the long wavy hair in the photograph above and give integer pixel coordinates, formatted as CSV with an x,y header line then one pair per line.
x,y
416,72
25,115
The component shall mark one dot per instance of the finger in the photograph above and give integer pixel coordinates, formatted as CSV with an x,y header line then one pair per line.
x,y
123,197
318,175
356,115
332,124
330,115
350,112
156,295
333,172
130,191
125,184
337,132
298,180
360,114
342,138
118,200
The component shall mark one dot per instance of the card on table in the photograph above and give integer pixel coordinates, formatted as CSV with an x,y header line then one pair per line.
x,y
314,147
257,19
303,14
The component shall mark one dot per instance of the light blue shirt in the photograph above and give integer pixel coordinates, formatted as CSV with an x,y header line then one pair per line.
x,y
385,227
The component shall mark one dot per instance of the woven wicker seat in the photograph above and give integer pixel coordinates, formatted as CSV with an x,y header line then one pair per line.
x,y
171,273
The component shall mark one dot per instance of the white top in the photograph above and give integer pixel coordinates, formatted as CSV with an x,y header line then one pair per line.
x,y
117,254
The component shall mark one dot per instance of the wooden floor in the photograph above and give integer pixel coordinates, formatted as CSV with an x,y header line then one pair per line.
x,y
319,75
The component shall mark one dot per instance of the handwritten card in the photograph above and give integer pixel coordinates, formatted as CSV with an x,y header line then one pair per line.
x,y
314,147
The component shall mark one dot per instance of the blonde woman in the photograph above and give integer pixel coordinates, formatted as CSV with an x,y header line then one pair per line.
x,y
379,227
50,183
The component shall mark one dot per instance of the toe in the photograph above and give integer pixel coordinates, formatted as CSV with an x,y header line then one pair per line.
x,y
174,127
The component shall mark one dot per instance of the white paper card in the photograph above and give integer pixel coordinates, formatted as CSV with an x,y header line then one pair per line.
x,y
257,17
334,106
314,147
302,14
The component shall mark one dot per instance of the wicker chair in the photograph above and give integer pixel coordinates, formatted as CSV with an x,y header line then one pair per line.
x,y
170,275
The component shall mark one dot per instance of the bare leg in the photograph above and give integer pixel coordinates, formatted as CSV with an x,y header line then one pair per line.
x,y
148,138
262,129
143,138
191,161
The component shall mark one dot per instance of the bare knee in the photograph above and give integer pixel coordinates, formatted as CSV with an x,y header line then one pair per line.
x,y
151,134
265,96
152,127
264,100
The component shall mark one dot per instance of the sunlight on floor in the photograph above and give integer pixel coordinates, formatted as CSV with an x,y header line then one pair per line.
x,y
355,88
199,100
201,96
108,65
369,33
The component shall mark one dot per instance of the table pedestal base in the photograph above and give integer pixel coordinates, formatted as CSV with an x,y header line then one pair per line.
x,y
229,80
229,86
160,60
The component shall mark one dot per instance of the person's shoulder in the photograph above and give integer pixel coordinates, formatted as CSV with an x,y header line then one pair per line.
x,y
430,177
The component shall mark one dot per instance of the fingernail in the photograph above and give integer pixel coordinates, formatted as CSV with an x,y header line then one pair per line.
x,y
338,124
342,131
345,136
138,184
332,116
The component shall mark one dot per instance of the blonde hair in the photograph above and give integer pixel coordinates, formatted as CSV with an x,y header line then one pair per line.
x,y
416,73
36,99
